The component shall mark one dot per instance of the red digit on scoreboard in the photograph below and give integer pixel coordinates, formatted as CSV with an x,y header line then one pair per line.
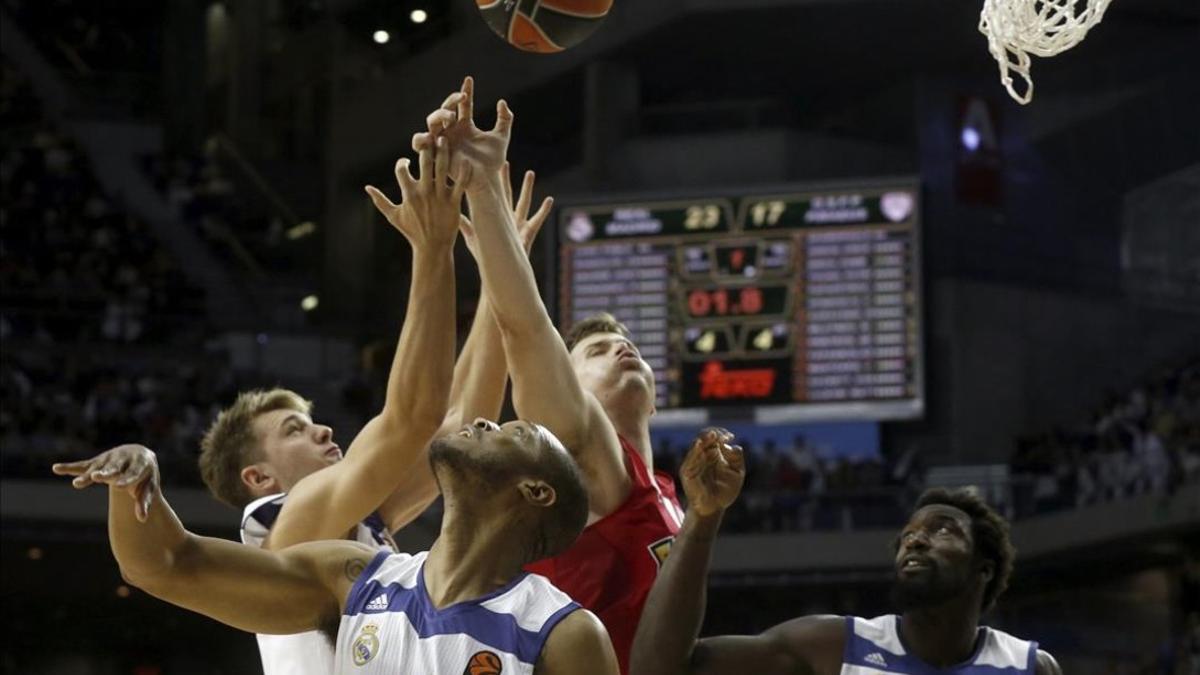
x,y
751,300
698,303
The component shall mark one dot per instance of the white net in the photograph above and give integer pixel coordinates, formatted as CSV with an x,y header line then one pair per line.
x,y
1017,28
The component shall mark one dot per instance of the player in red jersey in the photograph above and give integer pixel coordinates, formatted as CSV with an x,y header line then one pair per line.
x,y
595,393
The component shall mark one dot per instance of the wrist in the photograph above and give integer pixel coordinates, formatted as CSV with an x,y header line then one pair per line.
x,y
491,184
702,524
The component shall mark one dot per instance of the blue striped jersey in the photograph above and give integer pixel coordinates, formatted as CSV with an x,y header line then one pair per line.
x,y
307,653
873,647
391,626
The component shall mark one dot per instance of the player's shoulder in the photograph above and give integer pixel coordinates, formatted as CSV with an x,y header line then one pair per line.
x,y
259,516
579,632
1046,665
1004,650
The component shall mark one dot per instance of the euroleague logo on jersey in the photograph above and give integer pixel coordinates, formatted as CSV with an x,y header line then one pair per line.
x,y
484,663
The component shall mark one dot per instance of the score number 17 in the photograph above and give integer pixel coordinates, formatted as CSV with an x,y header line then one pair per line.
x,y
768,213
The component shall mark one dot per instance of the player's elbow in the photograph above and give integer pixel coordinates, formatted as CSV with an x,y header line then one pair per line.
x,y
152,581
524,325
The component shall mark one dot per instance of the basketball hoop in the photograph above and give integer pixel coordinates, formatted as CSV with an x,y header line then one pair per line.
x,y
1017,28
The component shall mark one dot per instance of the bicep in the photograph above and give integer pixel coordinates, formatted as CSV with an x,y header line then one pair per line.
x,y
802,646
1046,665
578,645
547,391
249,588
737,654
544,386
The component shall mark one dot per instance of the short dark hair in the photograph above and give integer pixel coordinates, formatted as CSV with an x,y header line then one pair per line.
x,y
596,323
989,530
560,524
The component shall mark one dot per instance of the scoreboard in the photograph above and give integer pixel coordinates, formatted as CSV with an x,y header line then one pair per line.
x,y
798,306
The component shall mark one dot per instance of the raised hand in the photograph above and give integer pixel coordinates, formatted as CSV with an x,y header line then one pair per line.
x,y
478,155
527,226
132,468
713,472
430,207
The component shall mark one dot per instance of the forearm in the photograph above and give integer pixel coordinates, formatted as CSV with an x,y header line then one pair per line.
x,y
481,372
674,611
418,386
503,265
144,551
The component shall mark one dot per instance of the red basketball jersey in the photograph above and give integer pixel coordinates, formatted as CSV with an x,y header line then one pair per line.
x,y
616,559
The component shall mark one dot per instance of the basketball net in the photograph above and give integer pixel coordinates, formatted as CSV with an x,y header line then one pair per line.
x,y
1017,28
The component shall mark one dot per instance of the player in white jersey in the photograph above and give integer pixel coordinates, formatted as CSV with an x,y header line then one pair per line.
x,y
266,456
952,561
513,495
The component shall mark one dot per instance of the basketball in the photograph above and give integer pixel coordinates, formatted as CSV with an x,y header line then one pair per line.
x,y
544,26
484,663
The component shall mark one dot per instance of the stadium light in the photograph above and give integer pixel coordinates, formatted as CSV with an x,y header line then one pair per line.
x,y
309,303
418,16
381,37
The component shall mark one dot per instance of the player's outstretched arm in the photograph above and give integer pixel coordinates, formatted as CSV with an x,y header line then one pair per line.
x,y
545,388
385,465
578,645
481,373
666,641
242,586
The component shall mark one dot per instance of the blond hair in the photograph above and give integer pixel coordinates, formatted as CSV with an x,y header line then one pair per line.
x,y
230,444
596,323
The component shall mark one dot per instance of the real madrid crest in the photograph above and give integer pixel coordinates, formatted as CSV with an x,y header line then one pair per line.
x,y
366,645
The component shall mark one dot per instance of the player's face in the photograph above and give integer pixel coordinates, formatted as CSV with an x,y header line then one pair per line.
x,y
482,443
293,446
934,557
608,363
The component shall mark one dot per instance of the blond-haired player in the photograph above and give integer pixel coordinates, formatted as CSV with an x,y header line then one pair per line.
x,y
266,455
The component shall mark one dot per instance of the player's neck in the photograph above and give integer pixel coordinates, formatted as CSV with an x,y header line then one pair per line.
x,y
942,636
472,557
632,424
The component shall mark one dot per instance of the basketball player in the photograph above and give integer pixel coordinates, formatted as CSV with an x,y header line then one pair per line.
x,y
513,495
952,561
594,392
265,455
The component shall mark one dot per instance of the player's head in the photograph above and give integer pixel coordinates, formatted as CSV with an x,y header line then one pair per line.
x,y
518,472
954,544
608,364
263,444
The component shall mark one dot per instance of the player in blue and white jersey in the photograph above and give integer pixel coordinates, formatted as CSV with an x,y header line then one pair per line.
x,y
266,456
952,560
513,495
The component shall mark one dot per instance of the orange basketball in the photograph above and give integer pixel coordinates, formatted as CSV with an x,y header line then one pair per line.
x,y
544,26
483,663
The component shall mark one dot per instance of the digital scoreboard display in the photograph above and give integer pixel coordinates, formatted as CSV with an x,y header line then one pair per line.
x,y
787,307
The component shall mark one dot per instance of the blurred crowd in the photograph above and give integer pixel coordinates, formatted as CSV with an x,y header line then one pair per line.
x,y
206,200
1146,440
86,295
791,486
61,407
74,266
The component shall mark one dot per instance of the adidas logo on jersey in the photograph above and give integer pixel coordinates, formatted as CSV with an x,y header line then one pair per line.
x,y
876,658
379,604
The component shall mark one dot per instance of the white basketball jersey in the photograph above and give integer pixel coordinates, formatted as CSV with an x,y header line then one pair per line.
x,y
873,647
303,653
391,626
